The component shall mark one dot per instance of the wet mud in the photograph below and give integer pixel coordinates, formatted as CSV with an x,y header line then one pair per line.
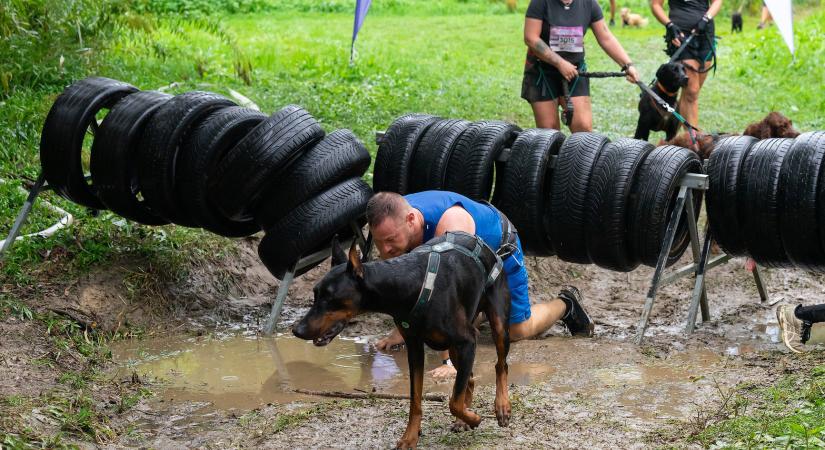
x,y
236,388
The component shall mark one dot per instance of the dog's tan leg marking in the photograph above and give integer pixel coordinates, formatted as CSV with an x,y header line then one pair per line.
x,y
459,425
415,356
502,403
463,356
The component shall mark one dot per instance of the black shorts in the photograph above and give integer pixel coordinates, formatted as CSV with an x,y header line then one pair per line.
x,y
542,82
701,48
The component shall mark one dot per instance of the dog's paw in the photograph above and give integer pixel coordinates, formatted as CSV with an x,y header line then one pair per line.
x,y
503,415
458,426
405,444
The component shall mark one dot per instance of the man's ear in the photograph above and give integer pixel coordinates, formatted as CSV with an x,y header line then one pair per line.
x,y
354,264
338,255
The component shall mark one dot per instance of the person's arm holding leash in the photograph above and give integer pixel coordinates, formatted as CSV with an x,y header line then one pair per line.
x,y
713,9
658,10
614,49
532,37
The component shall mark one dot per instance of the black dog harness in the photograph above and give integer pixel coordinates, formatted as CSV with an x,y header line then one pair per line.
x,y
433,264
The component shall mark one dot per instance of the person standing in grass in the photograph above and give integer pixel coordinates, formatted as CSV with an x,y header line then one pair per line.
x,y
554,33
685,17
766,18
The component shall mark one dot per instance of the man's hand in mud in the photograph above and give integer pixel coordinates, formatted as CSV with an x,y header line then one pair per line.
x,y
443,371
391,343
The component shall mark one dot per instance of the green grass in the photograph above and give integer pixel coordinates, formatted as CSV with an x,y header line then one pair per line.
x,y
788,414
454,58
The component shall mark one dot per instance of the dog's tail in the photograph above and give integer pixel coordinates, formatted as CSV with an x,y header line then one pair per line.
x,y
643,22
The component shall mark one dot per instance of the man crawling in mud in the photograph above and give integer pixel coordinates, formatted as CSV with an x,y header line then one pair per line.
x,y
401,223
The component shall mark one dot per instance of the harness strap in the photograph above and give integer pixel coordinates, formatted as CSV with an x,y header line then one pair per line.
x,y
426,289
434,263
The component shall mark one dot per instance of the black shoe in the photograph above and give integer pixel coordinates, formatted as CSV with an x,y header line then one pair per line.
x,y
576,318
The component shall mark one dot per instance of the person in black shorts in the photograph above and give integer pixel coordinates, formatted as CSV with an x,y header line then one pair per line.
x,y
554,33
685,17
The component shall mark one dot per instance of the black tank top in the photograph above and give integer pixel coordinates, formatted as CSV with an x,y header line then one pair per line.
x,y
686,13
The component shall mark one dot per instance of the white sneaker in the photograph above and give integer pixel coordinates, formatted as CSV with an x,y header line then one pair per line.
x,y
790,327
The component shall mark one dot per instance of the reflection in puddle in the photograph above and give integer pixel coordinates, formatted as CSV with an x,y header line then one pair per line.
x,y
247,371
250,371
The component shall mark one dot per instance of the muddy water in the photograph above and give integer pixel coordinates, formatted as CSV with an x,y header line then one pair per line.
x,y
246,371
249,371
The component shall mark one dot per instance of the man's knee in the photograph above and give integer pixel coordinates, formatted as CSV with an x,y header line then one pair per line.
x,y
521,330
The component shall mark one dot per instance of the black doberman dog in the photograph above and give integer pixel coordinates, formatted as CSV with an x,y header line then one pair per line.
x,y
670,77
433,300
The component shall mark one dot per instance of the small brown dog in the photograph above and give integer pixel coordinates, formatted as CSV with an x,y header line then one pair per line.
x,y
774,125
703,146
632,19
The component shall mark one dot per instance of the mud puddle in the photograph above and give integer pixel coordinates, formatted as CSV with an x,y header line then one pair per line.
x,y
246,372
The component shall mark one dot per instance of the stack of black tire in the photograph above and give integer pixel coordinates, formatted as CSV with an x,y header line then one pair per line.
x,y
767,199
606,203
199,160
421,152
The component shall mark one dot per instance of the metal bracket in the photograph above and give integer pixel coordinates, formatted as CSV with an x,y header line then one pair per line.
x,y
307,261
701,262
39,186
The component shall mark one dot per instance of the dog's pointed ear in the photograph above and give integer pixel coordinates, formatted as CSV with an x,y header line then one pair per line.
x,y
338,255
354,264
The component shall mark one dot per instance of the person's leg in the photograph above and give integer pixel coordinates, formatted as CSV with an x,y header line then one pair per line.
x,y
813,314
612,12
528,320
546,114
583,115
542,317
765,19
689,99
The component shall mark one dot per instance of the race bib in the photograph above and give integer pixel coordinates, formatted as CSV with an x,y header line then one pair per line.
x,y
567,39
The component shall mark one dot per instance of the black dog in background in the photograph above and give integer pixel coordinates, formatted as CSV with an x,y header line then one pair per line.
x,y
670,78
736,22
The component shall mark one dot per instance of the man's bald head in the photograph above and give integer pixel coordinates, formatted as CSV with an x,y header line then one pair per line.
x,y
393,224
386,205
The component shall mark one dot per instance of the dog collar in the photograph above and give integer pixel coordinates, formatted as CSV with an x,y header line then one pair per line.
x,y
662,88
433,264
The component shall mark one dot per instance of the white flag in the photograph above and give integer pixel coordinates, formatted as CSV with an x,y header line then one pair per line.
x,y
782,14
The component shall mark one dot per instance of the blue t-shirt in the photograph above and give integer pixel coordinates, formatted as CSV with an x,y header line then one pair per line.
x,y
432,205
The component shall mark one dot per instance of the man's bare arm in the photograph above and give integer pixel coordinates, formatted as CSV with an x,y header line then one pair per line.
x,y
455,219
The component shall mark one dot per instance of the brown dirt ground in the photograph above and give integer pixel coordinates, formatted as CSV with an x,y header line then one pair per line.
x,y
569,410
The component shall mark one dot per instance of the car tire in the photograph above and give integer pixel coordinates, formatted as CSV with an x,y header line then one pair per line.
x,y
66,125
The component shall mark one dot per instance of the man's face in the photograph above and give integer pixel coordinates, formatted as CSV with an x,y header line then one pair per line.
x,y
393,236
